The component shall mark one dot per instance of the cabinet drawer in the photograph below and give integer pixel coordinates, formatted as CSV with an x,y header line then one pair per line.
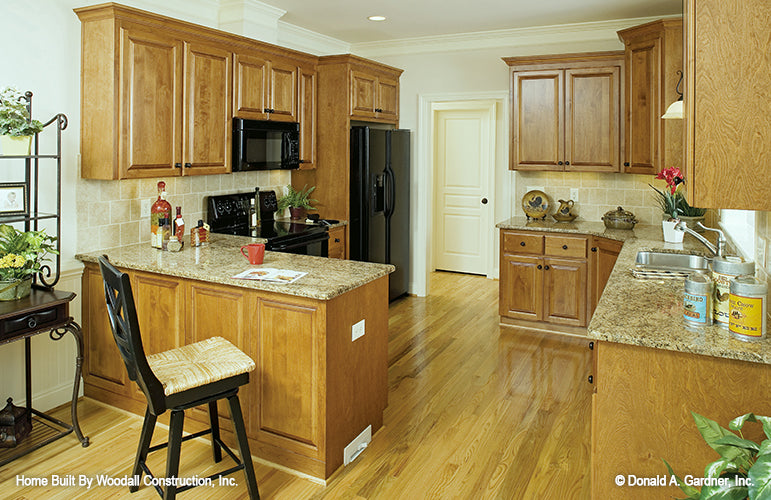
x,y
566,246
514,242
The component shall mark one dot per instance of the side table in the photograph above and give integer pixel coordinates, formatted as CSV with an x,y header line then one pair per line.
x,y
42,311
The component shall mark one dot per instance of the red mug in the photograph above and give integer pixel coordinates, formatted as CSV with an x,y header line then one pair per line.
x,y
255,252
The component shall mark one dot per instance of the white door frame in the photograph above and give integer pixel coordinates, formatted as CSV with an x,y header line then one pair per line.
x,y
424,181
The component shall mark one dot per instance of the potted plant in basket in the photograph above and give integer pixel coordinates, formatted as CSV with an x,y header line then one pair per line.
x,y
298,202
16,125
674,205
21,257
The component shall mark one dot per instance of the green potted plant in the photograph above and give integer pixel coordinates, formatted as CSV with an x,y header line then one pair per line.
x,y
744,468
21,257
674,205
16,126
298,202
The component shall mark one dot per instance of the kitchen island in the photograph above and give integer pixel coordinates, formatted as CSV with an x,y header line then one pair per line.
x,y
314,390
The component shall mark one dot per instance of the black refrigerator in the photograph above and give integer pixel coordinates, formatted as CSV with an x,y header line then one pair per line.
x,y
380,202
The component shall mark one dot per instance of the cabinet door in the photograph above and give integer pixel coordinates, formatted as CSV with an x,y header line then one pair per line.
x,y
363,89
151,104
283,91
521,288
337,243
388,99
160,303
289,352
604,254
592,119
208,117
250,87
565,291
307,95
643,109
537,120
103,365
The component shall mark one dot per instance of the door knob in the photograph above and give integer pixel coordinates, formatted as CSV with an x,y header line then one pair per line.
x,y
484,201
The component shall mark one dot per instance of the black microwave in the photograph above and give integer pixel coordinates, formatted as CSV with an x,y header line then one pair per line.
x,y
265,145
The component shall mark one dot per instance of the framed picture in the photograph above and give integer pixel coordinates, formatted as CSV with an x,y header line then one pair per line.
x,y
13,199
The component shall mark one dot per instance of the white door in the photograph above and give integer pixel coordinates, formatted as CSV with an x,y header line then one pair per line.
x,y
464,151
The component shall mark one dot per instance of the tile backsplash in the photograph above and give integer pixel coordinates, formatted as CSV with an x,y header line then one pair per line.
x,y
109,212
597,193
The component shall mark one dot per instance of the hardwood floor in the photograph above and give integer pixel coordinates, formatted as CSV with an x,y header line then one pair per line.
x,y
474,411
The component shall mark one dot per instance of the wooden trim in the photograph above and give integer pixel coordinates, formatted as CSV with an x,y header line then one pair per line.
x,y
542,326
600,58
362,63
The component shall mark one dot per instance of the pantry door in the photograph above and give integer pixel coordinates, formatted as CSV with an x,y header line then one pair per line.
x,y
464,157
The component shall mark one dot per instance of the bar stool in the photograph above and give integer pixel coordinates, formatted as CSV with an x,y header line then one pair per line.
x,y
179,379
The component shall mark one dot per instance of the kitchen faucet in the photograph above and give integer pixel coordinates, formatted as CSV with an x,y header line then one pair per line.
x,y
718,251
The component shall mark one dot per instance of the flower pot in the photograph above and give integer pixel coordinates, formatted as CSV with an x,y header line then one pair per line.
x,y
13,145
671,235
15,289
296,213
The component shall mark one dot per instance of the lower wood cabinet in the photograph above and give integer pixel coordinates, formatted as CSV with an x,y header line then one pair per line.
x,y
552,278
337,244
313,390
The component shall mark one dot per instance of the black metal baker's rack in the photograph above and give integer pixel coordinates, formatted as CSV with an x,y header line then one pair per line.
x,y
48,277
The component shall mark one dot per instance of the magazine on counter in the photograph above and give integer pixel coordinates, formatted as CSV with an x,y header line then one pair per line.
x,y
271,275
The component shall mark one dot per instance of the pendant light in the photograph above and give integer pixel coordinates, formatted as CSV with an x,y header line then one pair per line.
x,y
675,110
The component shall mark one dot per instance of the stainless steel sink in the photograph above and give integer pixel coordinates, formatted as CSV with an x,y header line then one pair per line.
x,y
664,261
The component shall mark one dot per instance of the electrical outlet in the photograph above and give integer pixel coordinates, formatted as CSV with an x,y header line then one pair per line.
x,y
144,207
574,194
357,330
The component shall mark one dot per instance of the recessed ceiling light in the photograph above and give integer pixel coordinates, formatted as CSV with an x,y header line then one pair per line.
x,y
376,18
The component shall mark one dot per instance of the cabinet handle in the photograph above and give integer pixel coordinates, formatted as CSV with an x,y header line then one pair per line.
x,y
378,110
521,243
546,267
32,322
188,165
591,379
559,163
591,346
337,240
266,110
540,266
177,165
594,249
626,163
567,163
564,247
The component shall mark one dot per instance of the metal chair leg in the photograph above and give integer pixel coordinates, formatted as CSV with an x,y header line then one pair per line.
x,y
215,431
144,444
243,446
172,458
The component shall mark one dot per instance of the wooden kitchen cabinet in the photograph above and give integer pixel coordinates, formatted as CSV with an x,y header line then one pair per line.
x,y
727,105
543,279
374,96
265,89
566,112
307,92
337,243
653,54
604,253
159,94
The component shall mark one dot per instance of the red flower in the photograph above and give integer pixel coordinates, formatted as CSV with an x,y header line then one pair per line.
x,y
672,176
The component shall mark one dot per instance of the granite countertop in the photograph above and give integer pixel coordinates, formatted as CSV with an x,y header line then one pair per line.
x,y
649,312
220,259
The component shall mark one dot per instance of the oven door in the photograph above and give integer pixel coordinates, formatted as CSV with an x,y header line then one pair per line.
x,y
317,245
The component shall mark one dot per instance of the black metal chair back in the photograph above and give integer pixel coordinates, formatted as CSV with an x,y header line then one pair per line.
x,y
125,329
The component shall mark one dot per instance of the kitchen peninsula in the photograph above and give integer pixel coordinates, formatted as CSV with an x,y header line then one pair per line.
x,y
314,390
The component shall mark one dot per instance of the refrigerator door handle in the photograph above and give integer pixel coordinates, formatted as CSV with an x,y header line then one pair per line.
x,y
391,192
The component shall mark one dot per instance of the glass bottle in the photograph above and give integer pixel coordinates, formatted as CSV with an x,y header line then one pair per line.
x,y
179,225
160,209
164,232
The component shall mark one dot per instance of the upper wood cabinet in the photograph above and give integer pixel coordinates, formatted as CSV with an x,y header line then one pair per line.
x,y
308,83
566,112
159,95
727,104
653,55
265,89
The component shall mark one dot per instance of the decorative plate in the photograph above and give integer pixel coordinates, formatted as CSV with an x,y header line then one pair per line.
x,y
535,204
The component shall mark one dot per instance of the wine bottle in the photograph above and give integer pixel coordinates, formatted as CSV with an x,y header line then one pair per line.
x,y
159,210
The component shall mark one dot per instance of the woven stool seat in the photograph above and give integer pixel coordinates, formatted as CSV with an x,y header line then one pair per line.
x,y
194,365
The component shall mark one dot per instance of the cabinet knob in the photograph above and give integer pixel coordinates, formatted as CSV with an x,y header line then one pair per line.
x,y
337,240
564,247
177,165
594,249
378,110
626,163
188,165
540,266
484,201
266,110
567,163
32,322
546,267
591,346
521,243
559,163
591,379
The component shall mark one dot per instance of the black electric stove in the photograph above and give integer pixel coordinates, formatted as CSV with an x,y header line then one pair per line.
x,y
231,214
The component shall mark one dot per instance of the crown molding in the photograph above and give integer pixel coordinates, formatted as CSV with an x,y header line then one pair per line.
x,y
297,38
516,37
250,18
202,12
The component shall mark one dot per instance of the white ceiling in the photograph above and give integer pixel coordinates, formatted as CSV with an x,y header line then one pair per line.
x,y
346,20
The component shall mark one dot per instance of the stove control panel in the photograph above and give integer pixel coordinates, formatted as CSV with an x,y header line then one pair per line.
x,y
268,205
